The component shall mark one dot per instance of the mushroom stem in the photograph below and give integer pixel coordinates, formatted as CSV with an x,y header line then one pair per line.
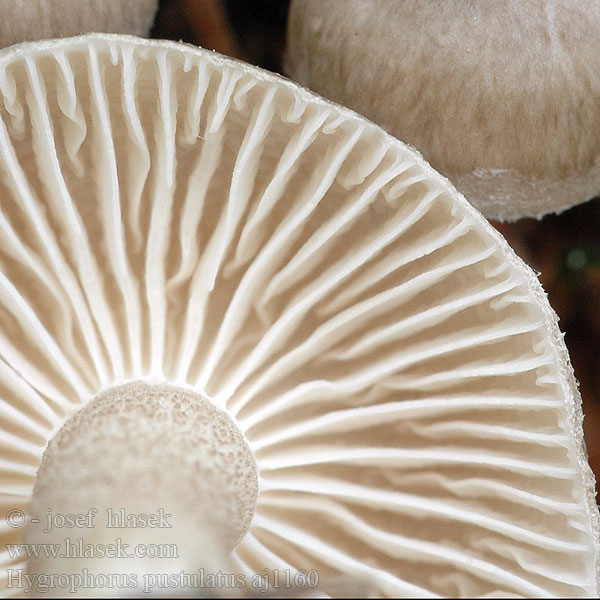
x,y
146,479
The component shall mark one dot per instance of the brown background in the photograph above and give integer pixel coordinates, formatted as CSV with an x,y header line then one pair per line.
x,y
564,249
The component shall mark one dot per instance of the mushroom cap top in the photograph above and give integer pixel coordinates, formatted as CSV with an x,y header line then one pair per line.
x,y
171,216
38,20
502,97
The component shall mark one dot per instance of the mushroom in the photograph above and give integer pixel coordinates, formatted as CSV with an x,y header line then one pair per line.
x,y
501,97
42,19
187,229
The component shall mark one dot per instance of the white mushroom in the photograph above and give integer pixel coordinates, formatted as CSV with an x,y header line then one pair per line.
x,y
30,20
174,218
157,467
500,96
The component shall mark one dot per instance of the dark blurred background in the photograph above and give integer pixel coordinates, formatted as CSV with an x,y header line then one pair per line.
x,y
565,249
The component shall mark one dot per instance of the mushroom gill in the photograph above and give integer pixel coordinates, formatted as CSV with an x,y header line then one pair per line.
x,y
174,220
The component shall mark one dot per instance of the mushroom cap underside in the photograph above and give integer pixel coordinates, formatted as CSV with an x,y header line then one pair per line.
x,y
172,216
